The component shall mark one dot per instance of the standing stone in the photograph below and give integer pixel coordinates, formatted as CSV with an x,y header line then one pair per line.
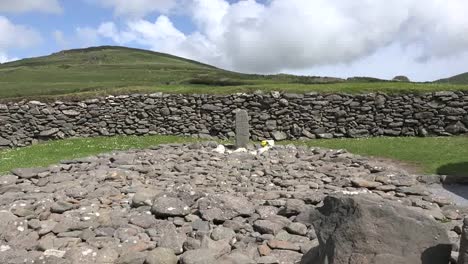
x,y
463,257
242,129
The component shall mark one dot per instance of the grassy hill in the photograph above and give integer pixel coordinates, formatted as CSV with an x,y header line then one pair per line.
x,y
457,79
115,70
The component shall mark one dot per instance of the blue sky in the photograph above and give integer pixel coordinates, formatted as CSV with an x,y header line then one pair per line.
x,y
424,40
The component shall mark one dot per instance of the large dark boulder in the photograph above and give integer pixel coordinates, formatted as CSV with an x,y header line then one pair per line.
x,y
463,256
367,229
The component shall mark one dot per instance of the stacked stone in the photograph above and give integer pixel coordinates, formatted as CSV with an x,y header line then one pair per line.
x,y
273,116
188,204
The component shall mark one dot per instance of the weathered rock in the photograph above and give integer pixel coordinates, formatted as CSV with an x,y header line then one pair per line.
x,y
144,196
169,206
27,173
224,207
268,227
198,256
49,132
132,258
367,229
463,255
161,256
4,142
242,129
279,135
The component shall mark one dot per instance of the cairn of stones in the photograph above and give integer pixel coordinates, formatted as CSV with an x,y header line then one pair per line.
x,y
188,204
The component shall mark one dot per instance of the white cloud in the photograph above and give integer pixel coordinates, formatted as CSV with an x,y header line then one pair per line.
x,y
17,36
297,34
137,8
20,6
4,58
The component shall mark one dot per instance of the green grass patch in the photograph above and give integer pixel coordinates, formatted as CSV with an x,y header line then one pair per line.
x,y
116,70
433,155
52,152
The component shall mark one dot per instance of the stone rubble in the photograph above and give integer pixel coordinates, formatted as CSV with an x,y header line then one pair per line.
x,y
190,204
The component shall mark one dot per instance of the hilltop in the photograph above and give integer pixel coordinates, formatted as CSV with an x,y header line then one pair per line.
x,y
116,70
457,79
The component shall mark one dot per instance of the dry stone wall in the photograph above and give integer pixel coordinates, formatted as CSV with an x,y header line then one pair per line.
x,y
272,115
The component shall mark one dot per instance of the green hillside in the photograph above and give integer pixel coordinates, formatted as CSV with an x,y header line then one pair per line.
x,y
116,70
457,79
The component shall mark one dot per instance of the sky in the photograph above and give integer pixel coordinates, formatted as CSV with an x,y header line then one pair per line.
x,y
422,39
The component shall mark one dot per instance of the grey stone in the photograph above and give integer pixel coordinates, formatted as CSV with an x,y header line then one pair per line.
x,y
221,233
71,112
198,256
27,173
236,258
144,196
268,227
169,206
297,229
4,142
224,207
242,129
463,253
49,132
368,229
279,135
132,258
161,256
61,207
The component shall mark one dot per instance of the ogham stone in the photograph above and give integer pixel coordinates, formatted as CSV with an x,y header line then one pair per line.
x,y
242,129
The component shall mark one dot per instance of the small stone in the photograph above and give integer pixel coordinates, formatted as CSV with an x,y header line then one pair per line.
x,y
132,258
362,183
169,206
107,256
279,244
198,256
297,229
279,135
267,227
267,260
221,232
27,173
264,250
144,196
161,256
55,253
61,207
286,256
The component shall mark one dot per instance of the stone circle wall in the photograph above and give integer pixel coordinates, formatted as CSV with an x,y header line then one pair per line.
x,y
273,115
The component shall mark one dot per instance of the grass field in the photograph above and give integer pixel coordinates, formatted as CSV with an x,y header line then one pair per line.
x,y
432,155
52,152
448,156
117,70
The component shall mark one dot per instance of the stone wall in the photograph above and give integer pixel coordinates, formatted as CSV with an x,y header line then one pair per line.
x,y
275,115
